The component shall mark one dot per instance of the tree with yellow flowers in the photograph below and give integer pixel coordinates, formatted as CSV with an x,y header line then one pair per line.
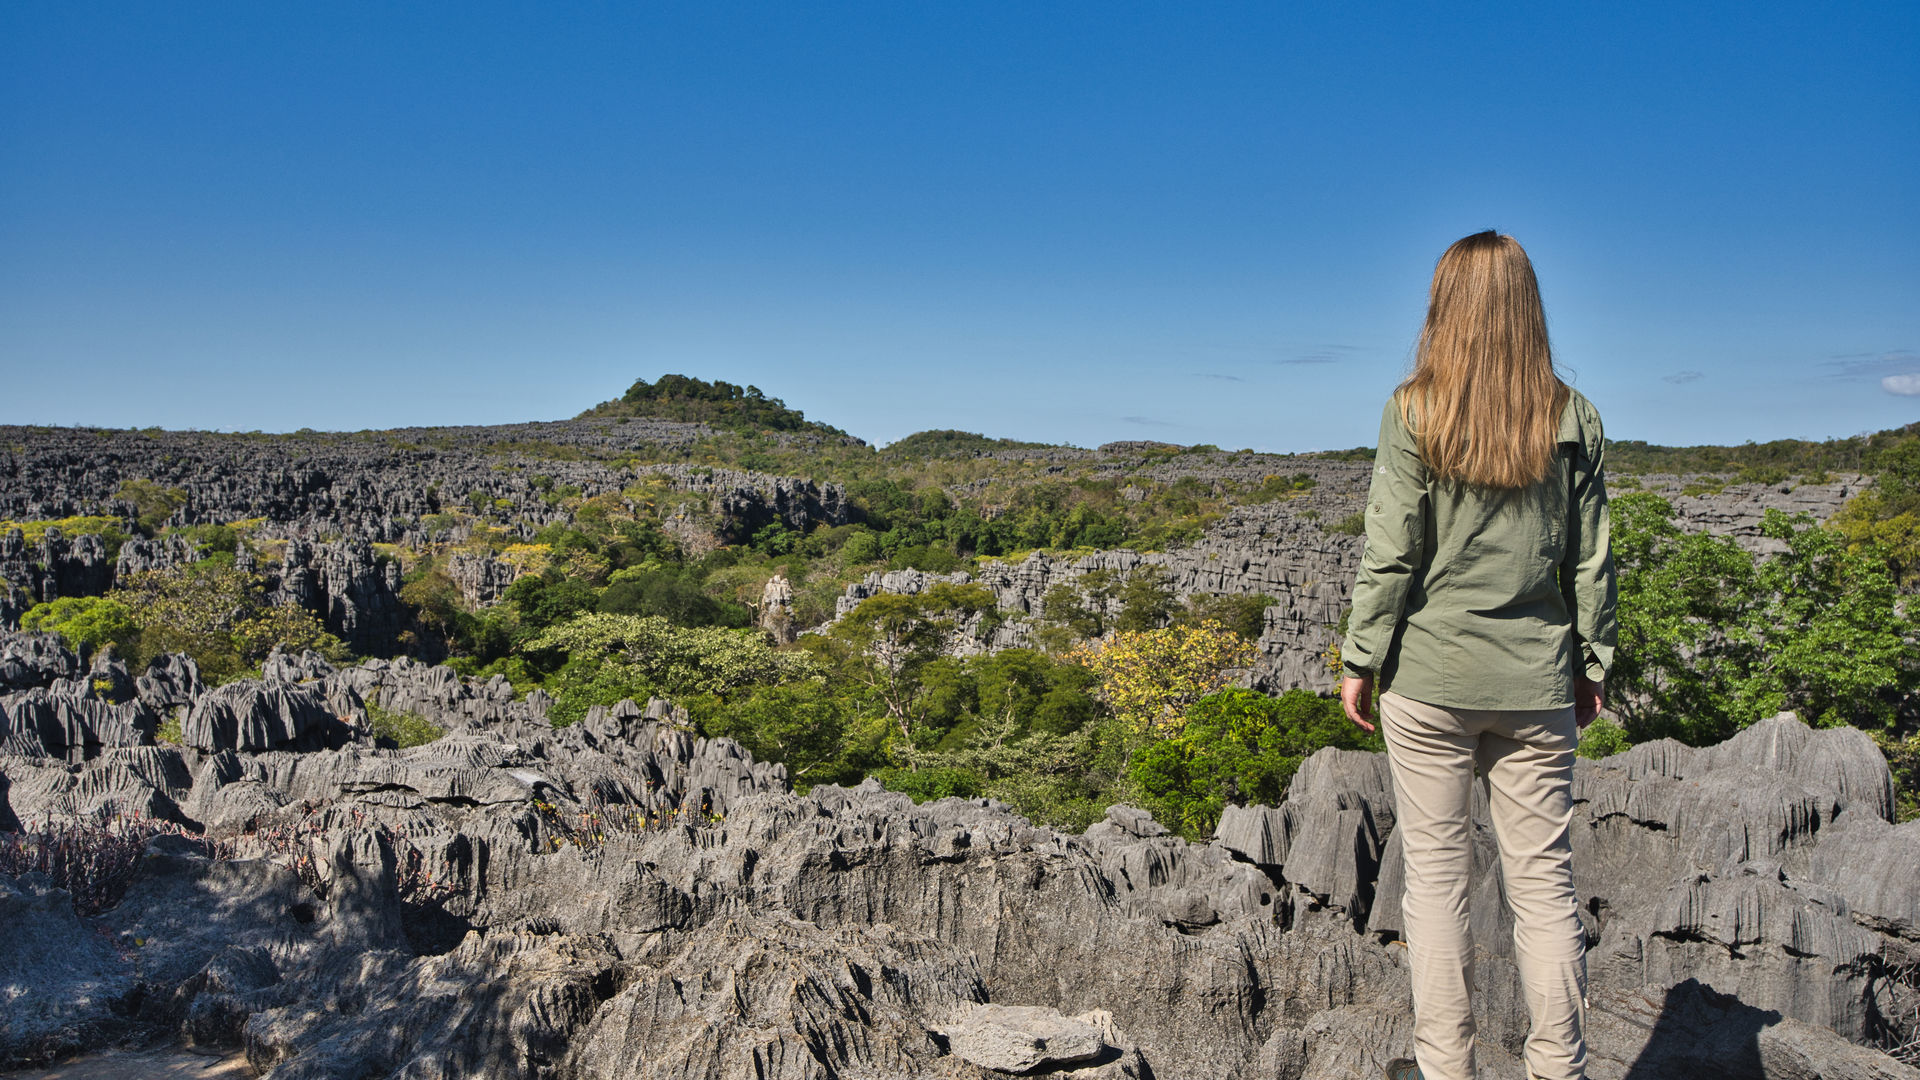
x,y
1150,678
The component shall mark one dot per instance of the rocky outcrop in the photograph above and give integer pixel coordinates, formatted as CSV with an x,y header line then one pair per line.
x,y
1274,549
161,553
776,609
375,486
56,567
482,579
34,660
1736,509
621,898
71,727
252,716
52,706
1286,550
355,594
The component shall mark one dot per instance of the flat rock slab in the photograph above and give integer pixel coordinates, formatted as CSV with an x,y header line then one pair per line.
x,y
150,1065
1022,1038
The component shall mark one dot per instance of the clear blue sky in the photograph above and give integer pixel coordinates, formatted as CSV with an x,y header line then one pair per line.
x,y
1071,223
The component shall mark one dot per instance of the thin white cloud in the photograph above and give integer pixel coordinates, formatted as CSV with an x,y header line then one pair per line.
x,y
1222,378
1322,354
1864,366
1907,385
1147,421
1681,378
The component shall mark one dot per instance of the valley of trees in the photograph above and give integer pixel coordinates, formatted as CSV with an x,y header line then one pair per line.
x,y
1126,693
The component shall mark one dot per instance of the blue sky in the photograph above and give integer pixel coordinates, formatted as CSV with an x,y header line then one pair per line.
x,y
1070,223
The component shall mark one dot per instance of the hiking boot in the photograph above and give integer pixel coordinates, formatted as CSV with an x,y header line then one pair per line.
x,y
1403,1069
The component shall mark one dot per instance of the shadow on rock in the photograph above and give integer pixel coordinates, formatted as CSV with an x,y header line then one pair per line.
x,y
1700,1034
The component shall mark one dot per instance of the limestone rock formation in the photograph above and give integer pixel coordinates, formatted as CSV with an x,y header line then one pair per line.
x,y
1286,551
1270,548
322,501
620,898
374,486
482,580
776,609
57,567
355,594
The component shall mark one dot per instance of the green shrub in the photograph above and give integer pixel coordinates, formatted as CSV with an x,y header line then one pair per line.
x,y
1237,746
1282,487
110,530
801,725
152,503
586,681
672,593
1354,524
404,729
1603,738
1146,600
936,783
644,650
1903,761
217,614
932,558
1713,638
86,622
211,539
1244,615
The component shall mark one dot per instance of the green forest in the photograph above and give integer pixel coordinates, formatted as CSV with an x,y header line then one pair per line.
x,y
1126,692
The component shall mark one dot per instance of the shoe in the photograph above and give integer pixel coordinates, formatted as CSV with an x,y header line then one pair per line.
x,y
1403,1069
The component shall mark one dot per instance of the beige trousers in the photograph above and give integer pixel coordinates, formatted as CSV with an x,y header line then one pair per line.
x,y
1527,758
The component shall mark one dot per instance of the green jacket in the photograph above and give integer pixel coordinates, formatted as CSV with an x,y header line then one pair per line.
x,y
1478,598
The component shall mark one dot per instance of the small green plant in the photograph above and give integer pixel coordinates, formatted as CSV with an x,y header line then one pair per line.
x,y
405,729
1603,738
1354,524
169,731
1706,485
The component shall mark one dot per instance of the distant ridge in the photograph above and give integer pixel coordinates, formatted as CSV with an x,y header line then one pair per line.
x,y
720,404
948,442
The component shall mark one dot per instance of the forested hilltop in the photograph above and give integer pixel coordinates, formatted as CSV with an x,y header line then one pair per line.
x,y
1058,627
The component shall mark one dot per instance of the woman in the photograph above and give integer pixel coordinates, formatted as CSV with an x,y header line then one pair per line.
x,y
1484,611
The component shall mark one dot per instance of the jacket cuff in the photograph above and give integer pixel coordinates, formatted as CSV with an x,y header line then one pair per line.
x,y
1594,660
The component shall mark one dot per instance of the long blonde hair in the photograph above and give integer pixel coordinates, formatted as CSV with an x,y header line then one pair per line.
x,y
1484,401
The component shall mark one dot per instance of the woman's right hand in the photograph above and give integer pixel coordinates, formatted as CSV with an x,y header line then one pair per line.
x,y
1588,696
1356,696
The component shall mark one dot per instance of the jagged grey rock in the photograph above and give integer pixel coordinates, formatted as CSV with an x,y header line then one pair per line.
x,y
1285,550
256,715
620,898
30,661
481,579
1022,1038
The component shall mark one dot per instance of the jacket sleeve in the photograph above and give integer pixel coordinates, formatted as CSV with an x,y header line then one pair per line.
x,y
1396,530
1586,574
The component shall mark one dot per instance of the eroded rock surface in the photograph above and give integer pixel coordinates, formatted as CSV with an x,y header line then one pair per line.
x,y
619,898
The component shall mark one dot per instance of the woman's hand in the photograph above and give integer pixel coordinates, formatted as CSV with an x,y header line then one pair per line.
x,y
1588,696
1356,696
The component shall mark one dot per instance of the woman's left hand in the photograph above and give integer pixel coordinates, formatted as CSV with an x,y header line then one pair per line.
x,y
1356,696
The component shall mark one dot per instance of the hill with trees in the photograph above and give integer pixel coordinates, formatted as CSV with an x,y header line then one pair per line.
x,y
720,404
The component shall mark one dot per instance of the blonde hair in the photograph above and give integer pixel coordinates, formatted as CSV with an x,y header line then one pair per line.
x,y
1483,401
